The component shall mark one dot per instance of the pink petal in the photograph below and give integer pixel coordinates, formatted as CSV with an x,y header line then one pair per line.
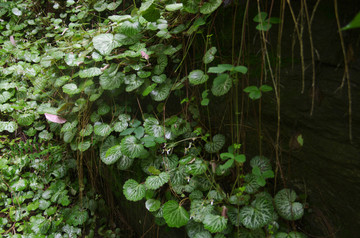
x,y
55,118
144,55
12,40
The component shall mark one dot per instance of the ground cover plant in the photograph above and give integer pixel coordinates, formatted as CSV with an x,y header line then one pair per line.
x,y
118,79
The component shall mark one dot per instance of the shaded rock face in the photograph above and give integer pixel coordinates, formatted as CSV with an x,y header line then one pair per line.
x,y
327,167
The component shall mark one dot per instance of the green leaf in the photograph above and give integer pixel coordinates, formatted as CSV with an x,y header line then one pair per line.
x,y
131,147
155,182
355,23
197,77
174,214
293,234
105,43
45,135
227,165
173,7
8,126
25,119
225,156
260,17
217,143
133,191
258,214
153,128
300,140
139,132
286,206
152,205
149,89
222,84
240,69
71,89
254,92
215,223
102,129
221,68
264,26
158,78
194,228
210,6
209,55
240,158
265,88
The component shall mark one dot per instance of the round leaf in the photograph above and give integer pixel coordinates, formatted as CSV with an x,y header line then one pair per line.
x,y
133,191
197,77
215,223
286,206
152,205
131,147
155,182
105,43
174,214
210,6
222,84
217,143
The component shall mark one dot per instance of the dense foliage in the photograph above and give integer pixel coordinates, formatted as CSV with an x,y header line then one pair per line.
x,y
110,78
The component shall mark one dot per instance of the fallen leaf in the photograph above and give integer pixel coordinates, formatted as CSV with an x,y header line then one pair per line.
x,y
55,118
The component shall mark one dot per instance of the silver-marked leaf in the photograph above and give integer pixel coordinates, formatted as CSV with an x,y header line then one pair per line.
x,y
293,234
210,6
133,191
196,168
217,143
215,223
153,128
86,131
161,92
173,7
174,214
286,206
152,205
102,129
124,163
251,184
262,162
84,145
25,119
193,228
197,77
234,216
258,214
155,182
221,85
112,155
90,72
131,147
10,126
199,209
209,55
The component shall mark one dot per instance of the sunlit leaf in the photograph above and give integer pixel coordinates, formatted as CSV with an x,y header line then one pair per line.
x,y
105,43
